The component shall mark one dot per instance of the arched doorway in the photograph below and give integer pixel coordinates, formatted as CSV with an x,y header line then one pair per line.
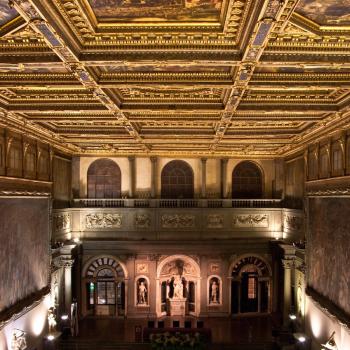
x,y
174,271
177,180
250,286
247,181
103,287
104,179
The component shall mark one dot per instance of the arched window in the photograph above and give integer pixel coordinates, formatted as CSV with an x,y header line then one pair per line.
x,y
246,181
177,180
104,179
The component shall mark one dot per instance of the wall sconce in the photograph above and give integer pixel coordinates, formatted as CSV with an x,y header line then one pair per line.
x,y
330,344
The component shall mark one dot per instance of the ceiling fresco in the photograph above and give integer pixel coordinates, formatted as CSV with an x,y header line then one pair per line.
x,y
326,12
164,68
157,10
6,13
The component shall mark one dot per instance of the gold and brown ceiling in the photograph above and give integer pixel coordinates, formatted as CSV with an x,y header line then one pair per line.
x,y
178,77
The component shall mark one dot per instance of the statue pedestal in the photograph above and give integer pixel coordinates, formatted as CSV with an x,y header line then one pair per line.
x,y
178,306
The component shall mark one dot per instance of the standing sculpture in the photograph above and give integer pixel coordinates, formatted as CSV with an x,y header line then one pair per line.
x,y
178,287
142,293
214,295
51,318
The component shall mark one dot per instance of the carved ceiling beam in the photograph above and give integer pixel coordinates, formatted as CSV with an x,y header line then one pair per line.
x,y
273,17
28,10
334,123
22,125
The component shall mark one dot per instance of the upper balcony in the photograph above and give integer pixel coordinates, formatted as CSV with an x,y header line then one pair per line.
x,y
176,203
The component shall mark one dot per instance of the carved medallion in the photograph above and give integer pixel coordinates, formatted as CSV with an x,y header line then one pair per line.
x,y
141,268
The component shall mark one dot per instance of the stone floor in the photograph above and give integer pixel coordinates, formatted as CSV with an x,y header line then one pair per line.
x,y
240,333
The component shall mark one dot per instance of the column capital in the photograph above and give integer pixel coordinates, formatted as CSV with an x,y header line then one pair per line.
x,y
203,159
153,159
224,160
288,263
131,158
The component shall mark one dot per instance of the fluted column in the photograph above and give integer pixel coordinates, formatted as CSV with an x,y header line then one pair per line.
x,y
224,177
132,177
204,178
154,161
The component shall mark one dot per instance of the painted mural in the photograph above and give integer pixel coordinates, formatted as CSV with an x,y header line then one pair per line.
x,y
24,253
157,10
6,13
326,12
329,258
165,68
32,70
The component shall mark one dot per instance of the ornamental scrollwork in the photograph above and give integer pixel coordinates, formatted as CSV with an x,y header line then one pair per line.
x,y
177,221
103,220
250,220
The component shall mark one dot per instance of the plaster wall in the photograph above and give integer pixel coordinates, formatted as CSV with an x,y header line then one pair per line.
x,y
320,326
32,323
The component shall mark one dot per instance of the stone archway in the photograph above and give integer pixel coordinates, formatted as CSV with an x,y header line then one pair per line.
x,y
104,287
251,278
178,286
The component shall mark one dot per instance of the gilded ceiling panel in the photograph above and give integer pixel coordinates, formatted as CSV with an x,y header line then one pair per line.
x,y
326,12
157,10
7,13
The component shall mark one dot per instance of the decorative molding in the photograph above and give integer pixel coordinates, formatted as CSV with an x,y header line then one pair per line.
x,y
177,221
103,220
22,307
328,307
250,220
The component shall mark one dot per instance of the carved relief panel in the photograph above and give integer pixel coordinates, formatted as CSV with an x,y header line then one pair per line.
x,y
250,220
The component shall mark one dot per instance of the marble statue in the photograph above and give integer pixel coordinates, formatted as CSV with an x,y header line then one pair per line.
x,y
142,293
214,293
178,287
18,341
51,318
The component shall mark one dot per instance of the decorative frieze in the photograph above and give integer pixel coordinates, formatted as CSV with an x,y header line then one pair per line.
x,y
292,222
103,220
215,221
142,221
62,222
177,221
250,220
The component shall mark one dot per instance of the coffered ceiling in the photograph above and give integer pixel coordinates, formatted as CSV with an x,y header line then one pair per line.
x,y
252,78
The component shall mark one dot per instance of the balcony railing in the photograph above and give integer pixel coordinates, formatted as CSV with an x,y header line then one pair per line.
x,y
176,203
